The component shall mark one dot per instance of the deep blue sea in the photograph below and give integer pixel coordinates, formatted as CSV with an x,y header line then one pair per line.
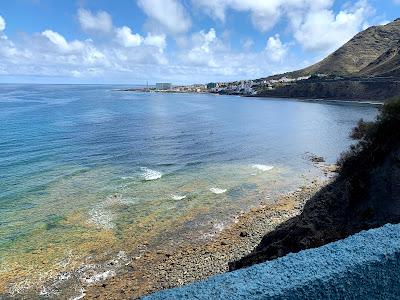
x,y
87,170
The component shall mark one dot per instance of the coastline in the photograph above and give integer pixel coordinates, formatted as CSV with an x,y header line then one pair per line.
x,y
173,264
323,100
261,97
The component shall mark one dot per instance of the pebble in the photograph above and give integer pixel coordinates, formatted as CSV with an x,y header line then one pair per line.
x,y
189,263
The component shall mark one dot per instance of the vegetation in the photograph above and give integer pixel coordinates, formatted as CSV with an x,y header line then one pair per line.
x,y
375,140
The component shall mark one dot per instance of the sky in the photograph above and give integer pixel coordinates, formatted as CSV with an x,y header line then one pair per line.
x,y
178,41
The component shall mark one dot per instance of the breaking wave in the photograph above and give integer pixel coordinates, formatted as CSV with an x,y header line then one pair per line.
x,y
149,174
217,191
178,197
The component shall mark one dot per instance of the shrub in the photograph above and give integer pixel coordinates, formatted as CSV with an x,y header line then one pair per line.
x,y
391,111
376,140
361,130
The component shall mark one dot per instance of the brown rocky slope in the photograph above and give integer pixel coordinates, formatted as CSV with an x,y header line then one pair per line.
x,y
388,64
362,50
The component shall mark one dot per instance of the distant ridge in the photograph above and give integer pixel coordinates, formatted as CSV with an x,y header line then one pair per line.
x,y
360,51
367,53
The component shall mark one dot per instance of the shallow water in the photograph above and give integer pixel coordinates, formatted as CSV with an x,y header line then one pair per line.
x,y
88,171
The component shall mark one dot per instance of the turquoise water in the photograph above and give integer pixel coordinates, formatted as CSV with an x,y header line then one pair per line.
x,y
88,170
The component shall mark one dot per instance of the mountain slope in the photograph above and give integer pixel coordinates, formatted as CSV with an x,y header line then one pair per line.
x,y
388,64
365,68
362,50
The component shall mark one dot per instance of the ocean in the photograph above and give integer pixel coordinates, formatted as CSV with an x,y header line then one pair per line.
x,y
88,172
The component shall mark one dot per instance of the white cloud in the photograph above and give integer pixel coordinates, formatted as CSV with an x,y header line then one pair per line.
x,y
93,56
49,54
202,49
156,40
208,55
102,22
264,14
99,22
123,54
313,23
126,38
169,14
204,56
208,38
61,43
324,31
276,49
2,23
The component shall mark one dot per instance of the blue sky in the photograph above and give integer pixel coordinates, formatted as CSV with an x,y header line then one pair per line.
x,y
179,41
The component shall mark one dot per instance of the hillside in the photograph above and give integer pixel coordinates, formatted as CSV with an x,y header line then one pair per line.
x,y
388,64
366,194
365,68
362,50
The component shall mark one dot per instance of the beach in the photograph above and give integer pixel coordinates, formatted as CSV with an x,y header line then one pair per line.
x,y
175,263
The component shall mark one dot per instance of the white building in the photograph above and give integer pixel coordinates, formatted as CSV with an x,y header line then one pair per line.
x,y
163,86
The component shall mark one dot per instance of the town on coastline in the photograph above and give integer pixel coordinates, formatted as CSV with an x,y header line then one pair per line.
x,y
374,89
366,68
243,87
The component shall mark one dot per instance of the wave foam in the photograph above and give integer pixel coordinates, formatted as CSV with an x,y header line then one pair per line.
x,y
217,191
262,167
178,197
150,174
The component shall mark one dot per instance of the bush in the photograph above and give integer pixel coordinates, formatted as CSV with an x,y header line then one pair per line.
x,y
391,111
361,130
376,140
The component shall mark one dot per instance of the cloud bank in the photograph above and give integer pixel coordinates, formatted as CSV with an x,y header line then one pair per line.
x,y
168,48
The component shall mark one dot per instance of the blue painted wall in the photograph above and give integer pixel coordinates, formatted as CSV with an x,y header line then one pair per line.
x,y
363,266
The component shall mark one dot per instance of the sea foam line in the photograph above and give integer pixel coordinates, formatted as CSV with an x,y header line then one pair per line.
x,y
262,167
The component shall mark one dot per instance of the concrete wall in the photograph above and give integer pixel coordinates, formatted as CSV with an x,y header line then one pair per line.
x,y
363,266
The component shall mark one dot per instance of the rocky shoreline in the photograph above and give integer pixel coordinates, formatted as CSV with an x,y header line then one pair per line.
x,y
172,264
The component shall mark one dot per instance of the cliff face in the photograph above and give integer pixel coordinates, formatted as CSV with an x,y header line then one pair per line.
x,y
342,89
365,195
